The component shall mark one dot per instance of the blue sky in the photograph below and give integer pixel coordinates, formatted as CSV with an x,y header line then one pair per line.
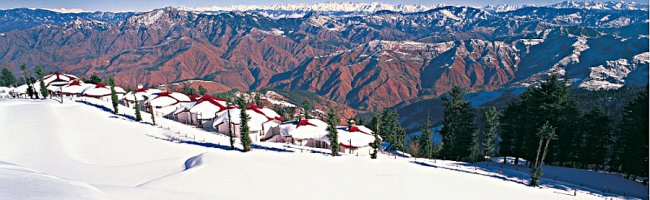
x,y
143,5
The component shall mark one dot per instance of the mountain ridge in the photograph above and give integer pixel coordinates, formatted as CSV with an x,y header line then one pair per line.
x,y
369,62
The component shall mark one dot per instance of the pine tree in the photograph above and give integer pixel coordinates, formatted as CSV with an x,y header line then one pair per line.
x,y
391,130
376,145
633,137
114,99
39,72
188,89
281,111
492,116
138,117
426,144
94,79
594,138
258,99
202,90
476,150
458,126
230,131
306,105
546,134
7,78
29,81
244,130
332,133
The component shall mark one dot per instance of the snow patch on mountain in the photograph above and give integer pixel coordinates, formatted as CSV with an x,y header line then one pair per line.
x,y
578,47
612,74
598,5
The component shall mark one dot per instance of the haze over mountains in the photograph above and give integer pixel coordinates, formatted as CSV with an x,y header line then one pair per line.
x,y
368,59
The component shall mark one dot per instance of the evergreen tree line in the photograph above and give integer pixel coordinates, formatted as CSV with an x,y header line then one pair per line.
x,y
544,126
583,140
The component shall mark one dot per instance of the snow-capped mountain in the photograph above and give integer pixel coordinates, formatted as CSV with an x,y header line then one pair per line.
x,y
598,5
348,7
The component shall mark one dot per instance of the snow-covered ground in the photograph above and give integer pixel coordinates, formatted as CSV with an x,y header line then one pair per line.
x,y
80,151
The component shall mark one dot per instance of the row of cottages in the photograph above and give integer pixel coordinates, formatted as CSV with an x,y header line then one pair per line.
x,y
103,92
52,82
263,122
73,89
202,110
141,95
352,139
166,103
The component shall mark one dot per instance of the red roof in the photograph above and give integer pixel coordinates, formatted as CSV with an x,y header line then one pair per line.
x,y
212,100
75,83
304,122
58,78
141,89
257,110
168,94
100,85
353,128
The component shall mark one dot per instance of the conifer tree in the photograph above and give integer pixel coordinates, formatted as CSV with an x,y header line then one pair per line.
x,y
633,137
202,90
114,100
306,105
94,79
258,99
391,130
492,116
476,150
244,130
188,89
425,144
458,126
332,133
231,135
281,111
546,134
7,78
595,138
138,116
376,145
39,72
29,81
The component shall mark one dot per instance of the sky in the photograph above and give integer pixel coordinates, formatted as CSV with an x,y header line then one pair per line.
x,y
145,5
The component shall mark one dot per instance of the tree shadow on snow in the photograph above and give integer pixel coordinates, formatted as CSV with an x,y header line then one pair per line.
x,y
105,109
203,144
520,174
552,181
217,146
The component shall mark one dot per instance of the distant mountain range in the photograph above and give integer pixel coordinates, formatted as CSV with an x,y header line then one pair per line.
x,y
367,60
358,8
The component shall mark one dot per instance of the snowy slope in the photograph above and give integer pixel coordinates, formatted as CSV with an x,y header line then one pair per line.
x,y
15,179
130,160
